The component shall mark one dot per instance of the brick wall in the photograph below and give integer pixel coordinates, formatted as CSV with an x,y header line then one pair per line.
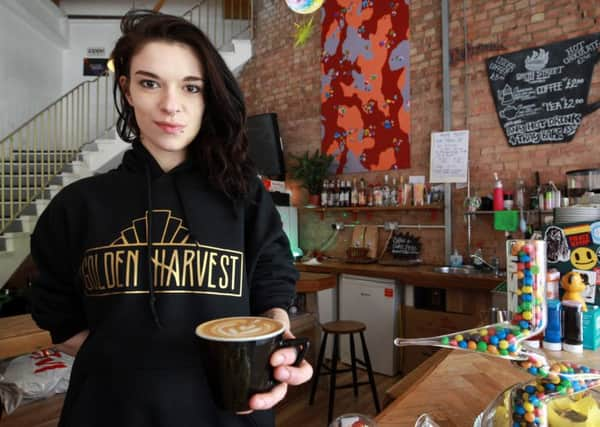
x,y
286,80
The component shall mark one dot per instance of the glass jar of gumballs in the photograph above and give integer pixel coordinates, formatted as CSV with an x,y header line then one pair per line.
x,y
526,285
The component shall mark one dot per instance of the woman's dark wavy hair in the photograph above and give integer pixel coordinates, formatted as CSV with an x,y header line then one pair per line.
x,y
221,146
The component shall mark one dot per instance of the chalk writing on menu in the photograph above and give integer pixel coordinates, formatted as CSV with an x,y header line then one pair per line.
x,y
405,245
449,157
541,93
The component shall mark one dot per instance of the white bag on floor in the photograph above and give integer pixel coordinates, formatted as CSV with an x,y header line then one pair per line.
x,y
33,376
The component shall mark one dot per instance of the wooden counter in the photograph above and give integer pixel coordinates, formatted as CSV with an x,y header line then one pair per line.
x,y
20,335
315,282
419,275
453,387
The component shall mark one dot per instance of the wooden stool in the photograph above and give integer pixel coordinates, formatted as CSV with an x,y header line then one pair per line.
x,y
338,328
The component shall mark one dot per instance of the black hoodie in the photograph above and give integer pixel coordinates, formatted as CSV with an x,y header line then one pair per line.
x,y
210,257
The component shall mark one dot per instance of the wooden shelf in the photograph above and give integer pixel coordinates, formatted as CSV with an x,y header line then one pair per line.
x,y
526,211
431,207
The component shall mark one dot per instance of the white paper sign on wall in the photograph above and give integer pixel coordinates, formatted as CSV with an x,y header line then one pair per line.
x,y
449,159
96,51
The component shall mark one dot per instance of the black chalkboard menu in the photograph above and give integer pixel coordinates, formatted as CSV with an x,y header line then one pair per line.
x,y
541,93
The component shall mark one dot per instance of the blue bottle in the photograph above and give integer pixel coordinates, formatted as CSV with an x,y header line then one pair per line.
x,y
553,333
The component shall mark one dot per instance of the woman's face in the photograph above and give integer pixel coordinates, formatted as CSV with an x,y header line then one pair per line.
x,y
165,89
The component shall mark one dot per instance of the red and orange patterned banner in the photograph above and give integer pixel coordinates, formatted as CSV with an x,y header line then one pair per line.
x,y
365,96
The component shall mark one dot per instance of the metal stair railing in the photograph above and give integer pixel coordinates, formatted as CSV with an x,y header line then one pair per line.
x,y
37,151
223,20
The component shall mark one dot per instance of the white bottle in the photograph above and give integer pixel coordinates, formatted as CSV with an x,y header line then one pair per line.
x,y
456,259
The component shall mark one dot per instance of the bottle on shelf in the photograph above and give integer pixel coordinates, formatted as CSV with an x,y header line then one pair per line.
x,y
400,192
324,193
362,193
354,194
370,191
394,193
385,191
332,199
520,195
342,199
407,194
498,194
377,196
347,193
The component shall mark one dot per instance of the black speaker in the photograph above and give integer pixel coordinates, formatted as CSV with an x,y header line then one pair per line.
x,y
264,145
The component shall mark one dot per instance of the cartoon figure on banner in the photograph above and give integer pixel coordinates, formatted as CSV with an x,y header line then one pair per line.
x,y
557,246
303,32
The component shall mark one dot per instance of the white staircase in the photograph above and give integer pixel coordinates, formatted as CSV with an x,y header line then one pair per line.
x,y
14,242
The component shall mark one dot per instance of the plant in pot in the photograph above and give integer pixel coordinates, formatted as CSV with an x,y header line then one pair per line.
x,y
311,170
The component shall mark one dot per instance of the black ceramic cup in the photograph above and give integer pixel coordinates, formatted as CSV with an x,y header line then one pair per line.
x,y
236,353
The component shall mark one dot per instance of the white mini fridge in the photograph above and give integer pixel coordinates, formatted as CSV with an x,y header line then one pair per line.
x,y
376,303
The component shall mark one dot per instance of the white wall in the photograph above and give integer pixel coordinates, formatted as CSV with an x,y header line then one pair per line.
x,y
33,35
119,7
85,33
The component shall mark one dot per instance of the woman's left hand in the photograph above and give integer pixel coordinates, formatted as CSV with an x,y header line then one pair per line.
x,y
282,361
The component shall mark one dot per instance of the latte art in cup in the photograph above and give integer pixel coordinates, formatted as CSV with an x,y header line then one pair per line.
x,y
239,329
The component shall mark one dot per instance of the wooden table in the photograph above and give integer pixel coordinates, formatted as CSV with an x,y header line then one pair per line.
x,y
20,335
453,387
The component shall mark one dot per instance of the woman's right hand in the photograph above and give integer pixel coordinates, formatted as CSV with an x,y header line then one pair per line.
x,y
72,345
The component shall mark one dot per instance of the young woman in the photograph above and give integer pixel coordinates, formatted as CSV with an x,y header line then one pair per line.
x,y
182,232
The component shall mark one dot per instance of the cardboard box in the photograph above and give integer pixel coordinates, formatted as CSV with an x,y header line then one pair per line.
x,y
591,328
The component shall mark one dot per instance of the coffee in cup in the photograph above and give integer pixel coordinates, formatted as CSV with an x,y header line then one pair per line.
x,y
236,352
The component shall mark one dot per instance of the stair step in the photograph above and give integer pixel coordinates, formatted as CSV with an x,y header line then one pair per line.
x,y
24,156
34,181
14,195
23,181
30,209
32,168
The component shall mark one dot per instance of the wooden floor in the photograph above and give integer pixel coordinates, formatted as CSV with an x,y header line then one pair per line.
x,y
295,411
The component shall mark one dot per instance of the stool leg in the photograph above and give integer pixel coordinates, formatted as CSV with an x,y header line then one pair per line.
x,y
334,359
370,372
313,390
353,359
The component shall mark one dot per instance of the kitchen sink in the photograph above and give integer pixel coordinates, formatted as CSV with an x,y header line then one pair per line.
x,y
465,269
454,270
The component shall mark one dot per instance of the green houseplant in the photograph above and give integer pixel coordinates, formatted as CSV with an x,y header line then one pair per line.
x,y
311,170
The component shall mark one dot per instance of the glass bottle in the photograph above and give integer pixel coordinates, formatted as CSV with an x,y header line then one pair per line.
x,y
394,193
332,199
362,193
400,192
324,189
385,191
377,195
354,194
520,196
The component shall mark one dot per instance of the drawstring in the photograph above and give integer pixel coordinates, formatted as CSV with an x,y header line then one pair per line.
x,y
149,250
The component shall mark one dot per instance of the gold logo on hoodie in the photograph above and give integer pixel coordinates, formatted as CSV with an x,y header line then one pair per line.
x,y
178,264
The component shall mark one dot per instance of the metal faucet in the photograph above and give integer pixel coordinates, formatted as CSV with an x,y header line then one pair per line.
x,y
479,260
